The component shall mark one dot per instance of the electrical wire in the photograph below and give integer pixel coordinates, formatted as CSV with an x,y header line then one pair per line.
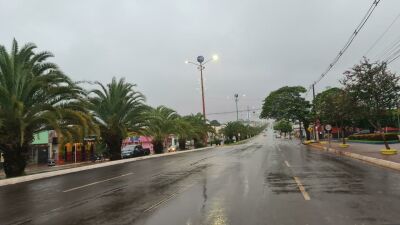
x,y
382,35
348,43
221,113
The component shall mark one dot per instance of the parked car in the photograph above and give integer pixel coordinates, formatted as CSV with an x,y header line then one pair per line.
x,y
172,148
51,162
127,151
134,151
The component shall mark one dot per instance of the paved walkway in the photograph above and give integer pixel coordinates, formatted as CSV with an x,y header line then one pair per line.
x,y
34,168
371,150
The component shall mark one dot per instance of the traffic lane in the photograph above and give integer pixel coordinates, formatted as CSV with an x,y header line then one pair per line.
x,y
23,201
124,205
344,190
260,187
239,190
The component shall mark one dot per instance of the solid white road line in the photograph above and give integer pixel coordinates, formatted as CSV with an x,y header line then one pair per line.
x,y
97,182
287,163
302,189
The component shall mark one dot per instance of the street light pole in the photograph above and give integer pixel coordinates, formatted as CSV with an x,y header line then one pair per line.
x,y
200,65
202,91
237,109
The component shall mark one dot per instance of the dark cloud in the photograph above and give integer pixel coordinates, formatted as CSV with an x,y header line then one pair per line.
x,y
263,45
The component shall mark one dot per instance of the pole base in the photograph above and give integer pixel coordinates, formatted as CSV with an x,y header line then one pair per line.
x,y
388,151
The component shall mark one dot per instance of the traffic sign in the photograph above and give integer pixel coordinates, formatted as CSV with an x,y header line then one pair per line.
x,y
328,127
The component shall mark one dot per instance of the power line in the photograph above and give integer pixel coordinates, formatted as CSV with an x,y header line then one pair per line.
x,y
382,35
231,112
395,44
348,43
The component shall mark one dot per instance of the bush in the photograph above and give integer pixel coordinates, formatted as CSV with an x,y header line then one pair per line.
x,y
373,137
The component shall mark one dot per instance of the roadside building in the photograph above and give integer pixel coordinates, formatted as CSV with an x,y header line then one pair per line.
x,y
39,152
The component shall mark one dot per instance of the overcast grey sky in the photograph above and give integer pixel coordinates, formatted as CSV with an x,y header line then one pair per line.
x,y
262,44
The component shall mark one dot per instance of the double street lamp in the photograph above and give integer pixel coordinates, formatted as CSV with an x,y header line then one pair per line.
x,y
200,65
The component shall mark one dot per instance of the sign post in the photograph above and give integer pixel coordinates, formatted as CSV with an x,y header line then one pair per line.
x,y
328,127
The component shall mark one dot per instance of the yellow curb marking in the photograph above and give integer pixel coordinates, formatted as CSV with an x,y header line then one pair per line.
x,y
302,189
97,182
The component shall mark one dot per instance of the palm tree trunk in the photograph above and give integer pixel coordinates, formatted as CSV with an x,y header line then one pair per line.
x,y
182,144
15,161
158,146
114,144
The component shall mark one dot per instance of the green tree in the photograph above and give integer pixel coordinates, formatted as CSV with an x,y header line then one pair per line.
x,y
283,126
287,103
335,106
160,123
375,91
201,129
118,109
215,123
35,96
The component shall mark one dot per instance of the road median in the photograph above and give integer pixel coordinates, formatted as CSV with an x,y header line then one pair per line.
x,y
372,160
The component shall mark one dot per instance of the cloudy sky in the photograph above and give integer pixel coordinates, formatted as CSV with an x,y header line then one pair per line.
x,y
262,44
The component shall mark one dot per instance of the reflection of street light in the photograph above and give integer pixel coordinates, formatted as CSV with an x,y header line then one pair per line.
x,y
200,65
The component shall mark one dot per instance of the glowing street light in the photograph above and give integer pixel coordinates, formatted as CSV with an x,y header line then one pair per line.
x,y
200,65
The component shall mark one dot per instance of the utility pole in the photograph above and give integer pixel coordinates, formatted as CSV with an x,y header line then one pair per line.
x,y
200,65
316,133
248,115
237,109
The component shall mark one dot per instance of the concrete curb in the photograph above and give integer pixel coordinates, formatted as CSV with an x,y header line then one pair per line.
x,y
375,161
38,176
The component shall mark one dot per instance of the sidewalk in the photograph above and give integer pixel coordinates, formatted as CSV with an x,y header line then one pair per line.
x,y
365,152
34,168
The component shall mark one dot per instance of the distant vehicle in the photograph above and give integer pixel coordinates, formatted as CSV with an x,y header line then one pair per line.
x,y
51,162
172,148
134,151
277,136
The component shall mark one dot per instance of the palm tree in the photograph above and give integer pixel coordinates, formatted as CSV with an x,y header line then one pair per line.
x,y
160,123
197,129
118,109
185,131
35,96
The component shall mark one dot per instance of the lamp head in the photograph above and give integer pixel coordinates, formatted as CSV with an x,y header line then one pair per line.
x,y
200,59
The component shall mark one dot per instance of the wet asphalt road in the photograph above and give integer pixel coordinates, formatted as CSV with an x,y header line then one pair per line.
x,y
266,181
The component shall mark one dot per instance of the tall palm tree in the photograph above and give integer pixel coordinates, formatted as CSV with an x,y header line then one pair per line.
x,y
185,131
35,96
160,123
201,129
118,109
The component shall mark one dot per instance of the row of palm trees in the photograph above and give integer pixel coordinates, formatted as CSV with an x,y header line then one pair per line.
x,y
35,96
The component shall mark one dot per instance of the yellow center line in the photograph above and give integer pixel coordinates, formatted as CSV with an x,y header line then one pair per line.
x,y
287,163
97,182
302,189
